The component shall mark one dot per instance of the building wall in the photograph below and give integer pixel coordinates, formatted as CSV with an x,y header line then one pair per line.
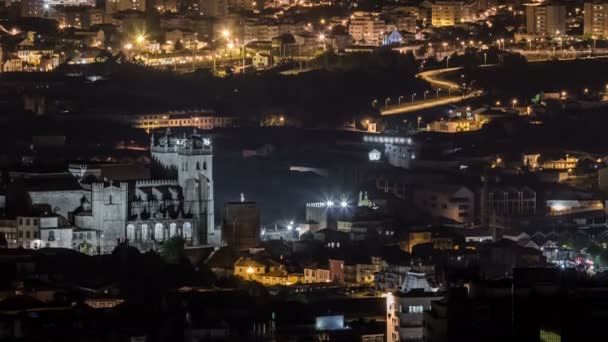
x,y
113,6
451,13
241,225
214,8
458,206
109,207
28,232
366,29
9,229
316,275
56,237
546,20
62,202
404,319
595,19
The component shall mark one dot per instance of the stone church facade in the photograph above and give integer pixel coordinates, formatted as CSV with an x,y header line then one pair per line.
x,y
148,212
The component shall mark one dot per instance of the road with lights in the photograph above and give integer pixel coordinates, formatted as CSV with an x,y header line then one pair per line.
x,y
434,78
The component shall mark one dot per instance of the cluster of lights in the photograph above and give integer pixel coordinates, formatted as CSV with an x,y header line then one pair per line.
x,y
389,140
327,204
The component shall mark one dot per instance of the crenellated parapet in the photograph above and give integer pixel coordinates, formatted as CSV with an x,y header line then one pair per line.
x,y
156,182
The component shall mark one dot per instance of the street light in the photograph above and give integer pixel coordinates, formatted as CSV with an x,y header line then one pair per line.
x,y
226,33
374,103
414,94
425,92
419,121
322,39
514,102
386,101
437,91
447,62
399,99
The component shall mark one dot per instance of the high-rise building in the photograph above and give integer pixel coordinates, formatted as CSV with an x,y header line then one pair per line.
x,y
34,8
213,8
367,28
113,6
595,20
546,19
242,4
450,13
241,225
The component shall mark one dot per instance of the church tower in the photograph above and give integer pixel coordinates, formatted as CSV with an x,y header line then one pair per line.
x,y
192,157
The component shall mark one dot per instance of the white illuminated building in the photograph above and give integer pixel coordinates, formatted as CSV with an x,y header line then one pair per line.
x,y
70,3
398,151
374,155
405,309
144,212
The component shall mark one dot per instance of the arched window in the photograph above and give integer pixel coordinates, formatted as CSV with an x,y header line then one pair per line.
x,y
145,232
187,230
198,165
130,232
159,232
204,165
138,234
172,229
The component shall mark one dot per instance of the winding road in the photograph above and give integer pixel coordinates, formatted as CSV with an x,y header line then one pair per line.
x,y
434,78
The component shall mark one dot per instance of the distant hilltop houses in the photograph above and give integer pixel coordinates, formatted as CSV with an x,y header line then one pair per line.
x,y
214,33
237,36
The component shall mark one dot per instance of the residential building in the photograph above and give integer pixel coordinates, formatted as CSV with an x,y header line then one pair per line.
x,y
440,238
257,31
450,13
262,60
129,22
546,19
8,230
198,119
367,28
567,163
113,6
11,63
28,232
314,274
242,4
455,202
265,271
34,8
213,8
595,19
361,272
54,232
32,56
453,125
405,309
71,3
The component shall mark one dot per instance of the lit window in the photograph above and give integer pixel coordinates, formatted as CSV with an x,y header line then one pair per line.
x,y
415,309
